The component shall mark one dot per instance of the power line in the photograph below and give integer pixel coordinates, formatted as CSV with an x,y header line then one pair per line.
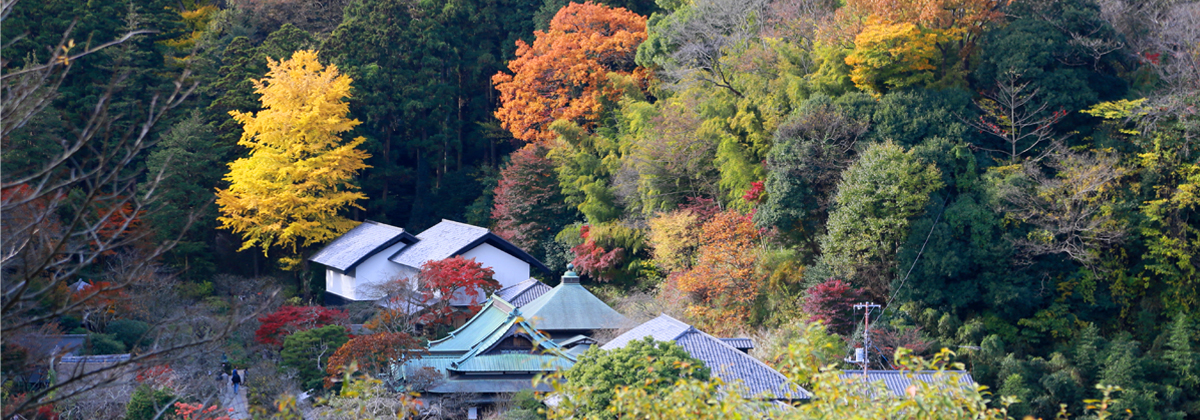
x,y
896,291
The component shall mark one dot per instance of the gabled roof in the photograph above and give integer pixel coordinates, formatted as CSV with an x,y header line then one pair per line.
x,y
743,344
497,320
450,238
569,306
752,377
898,381
492,316
353,247
522,293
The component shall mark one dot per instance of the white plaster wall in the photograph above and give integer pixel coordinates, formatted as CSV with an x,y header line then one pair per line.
x,y
339,283
333,282
376,270
509,270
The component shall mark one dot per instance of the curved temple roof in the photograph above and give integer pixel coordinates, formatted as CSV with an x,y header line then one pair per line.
x,y
570,307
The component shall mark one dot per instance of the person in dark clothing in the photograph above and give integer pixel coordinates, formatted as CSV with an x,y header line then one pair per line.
x,y
236,380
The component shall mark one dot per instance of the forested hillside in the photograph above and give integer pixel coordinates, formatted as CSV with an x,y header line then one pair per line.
x,y
1015,180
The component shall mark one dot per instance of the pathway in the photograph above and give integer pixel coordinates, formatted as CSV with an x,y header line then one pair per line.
x,y
236,402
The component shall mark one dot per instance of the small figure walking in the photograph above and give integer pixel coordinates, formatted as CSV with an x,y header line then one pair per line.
x,y
236,380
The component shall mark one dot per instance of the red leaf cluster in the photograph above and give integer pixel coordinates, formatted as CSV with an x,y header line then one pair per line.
x,y
456,278
373,352
529,205
756,193
592,259
289,319
197,411
832,303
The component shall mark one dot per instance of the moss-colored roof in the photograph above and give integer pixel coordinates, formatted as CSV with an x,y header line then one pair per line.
x,y
569,306
466,349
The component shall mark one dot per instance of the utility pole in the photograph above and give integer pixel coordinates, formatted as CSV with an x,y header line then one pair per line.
x,y
866,359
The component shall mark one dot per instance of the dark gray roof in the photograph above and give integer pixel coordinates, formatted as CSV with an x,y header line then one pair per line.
x,y
742,344
450,238
354,246
898,381
104,358
524,292
750,376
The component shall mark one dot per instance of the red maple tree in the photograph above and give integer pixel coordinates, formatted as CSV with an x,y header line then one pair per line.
x,y
374,353
832,302
529,203
593,260
453,282
289,319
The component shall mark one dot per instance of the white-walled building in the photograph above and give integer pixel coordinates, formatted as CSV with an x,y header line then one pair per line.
x,y
374,253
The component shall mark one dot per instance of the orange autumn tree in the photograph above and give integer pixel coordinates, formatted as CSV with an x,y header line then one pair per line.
x,y
723,283
564,75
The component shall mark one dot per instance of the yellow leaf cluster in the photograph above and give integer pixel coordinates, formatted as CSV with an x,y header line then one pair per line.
x,y
299,174
895,55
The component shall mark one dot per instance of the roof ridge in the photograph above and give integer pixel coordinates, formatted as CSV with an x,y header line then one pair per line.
x,y
463,224
741,354
381,224
491,302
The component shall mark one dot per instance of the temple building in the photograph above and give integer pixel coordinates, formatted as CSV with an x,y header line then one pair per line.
x,y
501,348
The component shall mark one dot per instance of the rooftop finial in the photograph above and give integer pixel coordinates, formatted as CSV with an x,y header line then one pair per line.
x,y
570,276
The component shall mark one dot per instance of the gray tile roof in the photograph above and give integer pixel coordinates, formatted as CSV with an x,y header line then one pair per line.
x,y
739,343
751,377
439,242
354,246
450,238
898,381
524,292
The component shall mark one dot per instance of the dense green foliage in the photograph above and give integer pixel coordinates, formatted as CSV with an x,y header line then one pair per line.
x,y
149,403
593,381
308,351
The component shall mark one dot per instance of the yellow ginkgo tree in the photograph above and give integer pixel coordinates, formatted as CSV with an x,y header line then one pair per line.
x,y
287,194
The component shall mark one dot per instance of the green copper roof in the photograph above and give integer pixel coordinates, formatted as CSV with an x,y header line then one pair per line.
x,y
466,349
487,386
571,307
513,363
494,314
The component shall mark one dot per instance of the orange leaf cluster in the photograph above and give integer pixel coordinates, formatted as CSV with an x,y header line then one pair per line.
x,y
374,352
197,411
723,283
564,74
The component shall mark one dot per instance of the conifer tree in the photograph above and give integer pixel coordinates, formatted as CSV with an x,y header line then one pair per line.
x,y
288,192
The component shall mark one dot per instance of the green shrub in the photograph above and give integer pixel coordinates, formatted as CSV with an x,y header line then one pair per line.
x,y
104,344
69,322
218,304
146,402
199,290
526,399
655,365
307,350
132,333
